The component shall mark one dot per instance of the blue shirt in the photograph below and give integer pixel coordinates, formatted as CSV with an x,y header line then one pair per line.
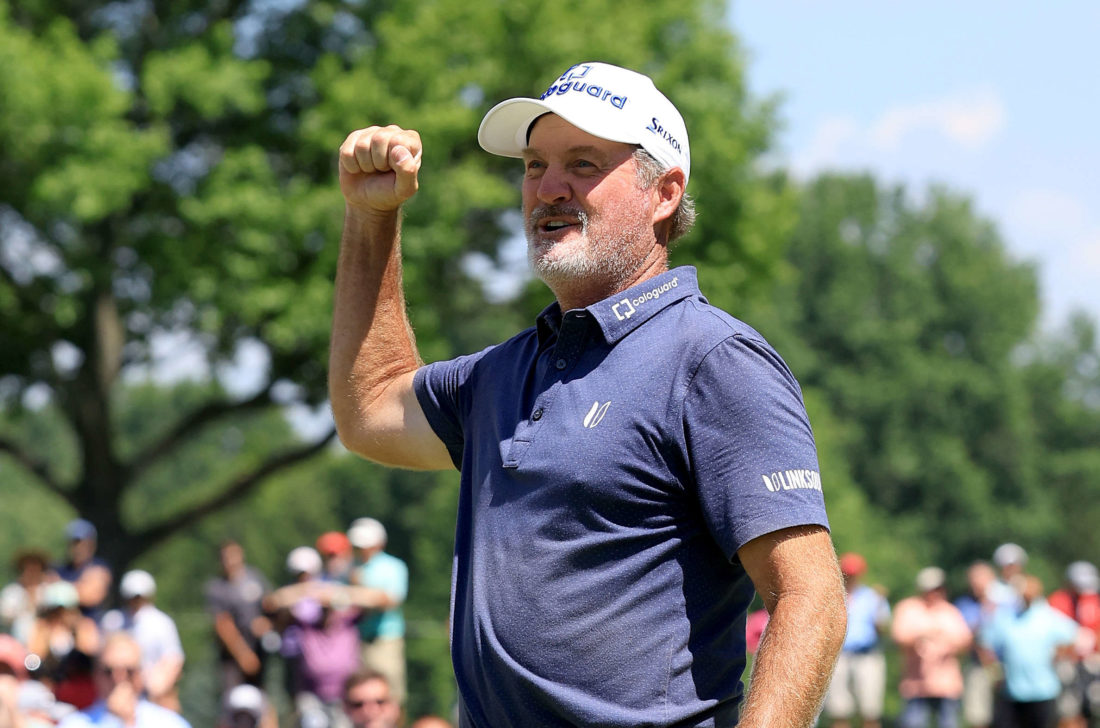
x,y
391,575
147,715
867,611
1026,642
613,460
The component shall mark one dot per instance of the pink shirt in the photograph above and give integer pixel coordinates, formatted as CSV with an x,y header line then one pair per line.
x,y
930,637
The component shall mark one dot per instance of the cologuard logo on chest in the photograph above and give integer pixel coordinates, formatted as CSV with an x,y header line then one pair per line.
x,y
574,80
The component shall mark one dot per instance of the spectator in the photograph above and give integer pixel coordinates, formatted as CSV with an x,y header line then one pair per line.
x,y
234,601
755,624
931,632
90,574
63,643
978,609
326,616
246,707
1079,669
383,632
368,701
1010,560
859,682
336,557
156,635
19,599
431,721
1026,643
119,689
304,565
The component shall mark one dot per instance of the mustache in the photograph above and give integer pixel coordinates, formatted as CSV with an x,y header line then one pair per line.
x,y
543,211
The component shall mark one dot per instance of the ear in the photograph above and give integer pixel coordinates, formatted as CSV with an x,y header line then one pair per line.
x,y
669,190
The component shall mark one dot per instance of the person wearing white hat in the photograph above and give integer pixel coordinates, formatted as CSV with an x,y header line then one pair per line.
x,y
931,633
633,467
1079,668
155,632
381,631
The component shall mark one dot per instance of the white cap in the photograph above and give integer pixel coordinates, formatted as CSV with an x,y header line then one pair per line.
x,y
304,560
929,578
606,101
366,533
246,698
137,583
1009,553
1083,576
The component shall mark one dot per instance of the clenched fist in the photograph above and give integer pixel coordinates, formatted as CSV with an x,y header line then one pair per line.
x,y
378,167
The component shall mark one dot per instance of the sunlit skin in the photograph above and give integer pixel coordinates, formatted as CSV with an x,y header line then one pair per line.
x,y
591,230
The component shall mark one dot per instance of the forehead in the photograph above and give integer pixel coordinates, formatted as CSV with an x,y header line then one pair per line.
x,y
551,133
121,651
373,688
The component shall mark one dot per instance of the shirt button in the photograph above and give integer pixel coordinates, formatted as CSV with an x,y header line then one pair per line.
x,y
560,363
537,414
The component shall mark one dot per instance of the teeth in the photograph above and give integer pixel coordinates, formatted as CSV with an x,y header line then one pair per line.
x,y
555,225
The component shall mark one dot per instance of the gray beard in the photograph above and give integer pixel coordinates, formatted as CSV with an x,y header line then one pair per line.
x,y
602,261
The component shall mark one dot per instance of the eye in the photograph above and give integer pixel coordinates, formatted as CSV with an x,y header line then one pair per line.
x,y
534,164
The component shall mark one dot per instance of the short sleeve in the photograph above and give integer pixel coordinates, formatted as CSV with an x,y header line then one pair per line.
x,y
442,389
749,444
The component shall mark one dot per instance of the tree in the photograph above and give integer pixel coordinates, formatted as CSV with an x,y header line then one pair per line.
x,y
167,168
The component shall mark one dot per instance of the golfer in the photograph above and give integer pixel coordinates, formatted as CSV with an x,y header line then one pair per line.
x,y
632,466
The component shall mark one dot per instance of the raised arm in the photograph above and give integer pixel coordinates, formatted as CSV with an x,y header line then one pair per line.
x,y
373,354
796,574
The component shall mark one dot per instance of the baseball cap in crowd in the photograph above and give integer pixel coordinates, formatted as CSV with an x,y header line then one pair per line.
x,y
245,699
1009,553
366,533
80,530
137,583
606,101
59,594
34,697
333,543
303,560
1083,576
929,578
852,564
13,656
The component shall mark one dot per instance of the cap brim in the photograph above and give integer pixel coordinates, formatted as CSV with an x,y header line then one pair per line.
x,y
503,131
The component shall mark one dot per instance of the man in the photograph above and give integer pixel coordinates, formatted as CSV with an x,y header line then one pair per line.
x,y
1079,667
859,683
157,637
1026,642
381,633
978,609
368,702
19,599
931,633
336,553
87,572
325,617
119,686
632,467
1010,559
234,600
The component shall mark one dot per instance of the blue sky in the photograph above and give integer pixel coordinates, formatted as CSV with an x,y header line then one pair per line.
x,y
998,100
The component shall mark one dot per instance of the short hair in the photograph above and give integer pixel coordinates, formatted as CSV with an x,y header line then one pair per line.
x,y
363,675
649,170
32,556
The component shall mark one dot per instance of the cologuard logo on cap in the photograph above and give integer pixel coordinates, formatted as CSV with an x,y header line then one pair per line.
x,y
606,101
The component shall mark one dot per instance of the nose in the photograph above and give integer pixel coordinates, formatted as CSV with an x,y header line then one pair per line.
x,y
553,187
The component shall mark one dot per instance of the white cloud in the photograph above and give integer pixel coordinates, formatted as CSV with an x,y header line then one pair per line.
x,y
970,119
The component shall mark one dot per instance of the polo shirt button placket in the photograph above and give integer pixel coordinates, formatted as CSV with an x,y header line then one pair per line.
x,y
561,364
536,415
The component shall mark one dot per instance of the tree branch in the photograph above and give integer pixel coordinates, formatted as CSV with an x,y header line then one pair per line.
x,y
188,426
236,490
36,467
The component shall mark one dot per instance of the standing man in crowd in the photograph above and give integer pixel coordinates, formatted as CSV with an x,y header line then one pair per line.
x,y
859,683
632,467
235,602
382,632
931,633
978,609
368,701
90,574
119,687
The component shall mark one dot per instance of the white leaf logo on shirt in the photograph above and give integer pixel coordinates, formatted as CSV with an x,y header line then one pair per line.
x,y
596,413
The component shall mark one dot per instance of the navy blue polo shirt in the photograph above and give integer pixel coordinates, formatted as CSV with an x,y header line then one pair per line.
x,y
613,461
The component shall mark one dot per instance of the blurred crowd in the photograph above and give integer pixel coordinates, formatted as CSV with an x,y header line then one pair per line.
x,y
77,649
1004,654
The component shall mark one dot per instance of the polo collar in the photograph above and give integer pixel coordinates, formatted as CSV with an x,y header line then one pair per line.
x,y
625,311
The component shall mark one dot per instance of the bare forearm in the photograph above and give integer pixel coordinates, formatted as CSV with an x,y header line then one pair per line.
x,y
372,343
795,661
